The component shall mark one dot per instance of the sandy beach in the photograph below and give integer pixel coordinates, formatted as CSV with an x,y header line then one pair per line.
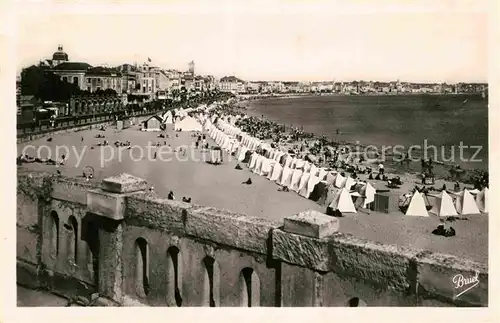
x,y
221,186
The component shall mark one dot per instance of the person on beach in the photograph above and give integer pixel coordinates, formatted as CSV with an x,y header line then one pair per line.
x,y
62,160
381,169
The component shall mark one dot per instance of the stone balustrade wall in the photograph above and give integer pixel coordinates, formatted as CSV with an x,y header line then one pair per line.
x,y
136,249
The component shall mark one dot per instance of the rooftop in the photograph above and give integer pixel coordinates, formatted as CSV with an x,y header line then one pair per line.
x,y
60,55
231,79
103,71
72,66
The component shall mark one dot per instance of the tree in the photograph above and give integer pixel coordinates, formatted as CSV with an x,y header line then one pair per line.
x,y
45,85
31,79
105,92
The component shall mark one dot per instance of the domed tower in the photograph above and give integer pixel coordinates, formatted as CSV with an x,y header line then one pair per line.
x,y
59,56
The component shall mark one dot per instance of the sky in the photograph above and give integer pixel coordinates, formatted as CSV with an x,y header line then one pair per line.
x,y
419,41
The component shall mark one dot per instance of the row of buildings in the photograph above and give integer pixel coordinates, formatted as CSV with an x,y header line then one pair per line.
x,y
145,79
236,85
153,82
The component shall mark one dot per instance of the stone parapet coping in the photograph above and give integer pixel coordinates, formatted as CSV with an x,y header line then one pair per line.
x,y
314,241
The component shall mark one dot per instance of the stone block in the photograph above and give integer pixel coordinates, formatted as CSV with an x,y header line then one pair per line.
x,y
27,274
299,287
302,251
71,190
156,213
311,224
109,205
385,266
111,263
124,183
26,245
231,229
105,302
459,281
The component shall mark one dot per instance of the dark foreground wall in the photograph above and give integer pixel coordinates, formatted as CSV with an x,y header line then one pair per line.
x,y
130,248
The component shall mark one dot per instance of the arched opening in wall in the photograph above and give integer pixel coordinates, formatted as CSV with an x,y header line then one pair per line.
x,y
249,288
356,302
89,232
142,267
54,234
174,277
72,227
211,288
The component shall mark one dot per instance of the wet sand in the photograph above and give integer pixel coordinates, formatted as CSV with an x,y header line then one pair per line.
x,y
221,186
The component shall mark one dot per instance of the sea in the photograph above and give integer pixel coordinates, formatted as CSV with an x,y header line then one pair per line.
x,y
452,129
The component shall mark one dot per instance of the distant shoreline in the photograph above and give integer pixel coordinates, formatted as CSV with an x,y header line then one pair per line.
x,y
253,97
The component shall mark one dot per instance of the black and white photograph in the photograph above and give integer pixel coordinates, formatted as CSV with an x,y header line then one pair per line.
x,y
215,154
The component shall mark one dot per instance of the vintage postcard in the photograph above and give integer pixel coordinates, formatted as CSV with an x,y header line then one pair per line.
x,y
244,154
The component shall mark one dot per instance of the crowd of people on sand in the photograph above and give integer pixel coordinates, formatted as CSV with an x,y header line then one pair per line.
x,y
321,151
324,153
336,156
201,141
26,159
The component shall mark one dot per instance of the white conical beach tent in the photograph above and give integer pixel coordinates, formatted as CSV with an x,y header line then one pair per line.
x,y
417,205
286,176
166,114
343,202
188,124
369,193
349,182
340,181
482,200
443,205
465,203
277,170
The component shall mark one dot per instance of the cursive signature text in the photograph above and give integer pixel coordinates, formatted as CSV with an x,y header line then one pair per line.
x,y
460,281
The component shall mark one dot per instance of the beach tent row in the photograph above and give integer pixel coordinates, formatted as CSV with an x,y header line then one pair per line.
x,y
296,174
224,141
454,204
179,117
